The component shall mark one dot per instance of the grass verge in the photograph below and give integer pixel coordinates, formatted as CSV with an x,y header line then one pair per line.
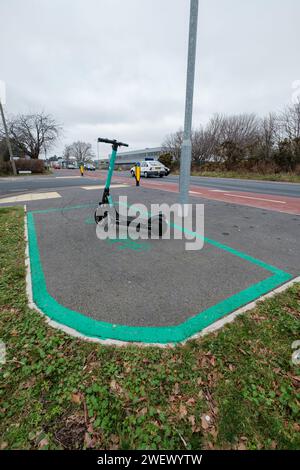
x,y
284,177
235,389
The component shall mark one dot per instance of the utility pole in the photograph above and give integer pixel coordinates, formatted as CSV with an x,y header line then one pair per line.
x,y
186,147
13,164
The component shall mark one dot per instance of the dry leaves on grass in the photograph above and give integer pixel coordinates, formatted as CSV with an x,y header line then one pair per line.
x,y
143,411
116,388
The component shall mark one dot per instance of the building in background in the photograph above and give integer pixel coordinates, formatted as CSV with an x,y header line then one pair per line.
x,y
134,156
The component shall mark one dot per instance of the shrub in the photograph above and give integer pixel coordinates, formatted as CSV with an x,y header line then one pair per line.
x,y
33,165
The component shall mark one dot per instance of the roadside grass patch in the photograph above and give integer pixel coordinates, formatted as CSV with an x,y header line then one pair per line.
x,y
284,177
236,388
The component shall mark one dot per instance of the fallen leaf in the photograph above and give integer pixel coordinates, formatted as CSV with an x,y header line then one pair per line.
x,y
212,360
205,421
182,411
190,401
192,420
88,441
115,439
113,385
241,446
43,443
76,398
214,433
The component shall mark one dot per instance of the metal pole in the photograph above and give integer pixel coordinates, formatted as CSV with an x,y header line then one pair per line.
x,y
186,147
8,141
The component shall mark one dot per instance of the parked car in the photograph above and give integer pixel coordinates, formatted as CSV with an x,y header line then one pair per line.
x,y
71,166
151,168
167,170
89,167
56,166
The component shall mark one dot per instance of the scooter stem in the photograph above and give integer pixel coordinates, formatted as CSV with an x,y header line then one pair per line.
x,y
111,168
106,199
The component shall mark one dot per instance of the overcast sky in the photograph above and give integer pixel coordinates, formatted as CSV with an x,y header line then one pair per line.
x,y
116,68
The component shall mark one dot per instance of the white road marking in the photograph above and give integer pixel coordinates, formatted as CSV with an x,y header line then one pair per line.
x,y
67,177
30,197
217,190
256,198
194,192
102,186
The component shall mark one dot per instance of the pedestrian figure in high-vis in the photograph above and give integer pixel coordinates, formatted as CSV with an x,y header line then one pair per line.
x,y
81,170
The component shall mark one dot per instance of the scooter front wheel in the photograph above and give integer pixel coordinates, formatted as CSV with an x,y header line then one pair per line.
x,y
99,214
158,225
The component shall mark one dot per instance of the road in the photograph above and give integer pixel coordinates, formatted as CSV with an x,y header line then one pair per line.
x,y
70,178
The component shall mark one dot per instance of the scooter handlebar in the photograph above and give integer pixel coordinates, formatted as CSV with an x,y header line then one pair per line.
x,y
113,142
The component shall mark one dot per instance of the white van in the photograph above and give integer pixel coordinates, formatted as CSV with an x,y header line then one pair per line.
x,y
151,168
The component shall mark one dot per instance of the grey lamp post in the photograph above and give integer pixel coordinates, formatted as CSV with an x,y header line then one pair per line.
x,y
7,140
186,147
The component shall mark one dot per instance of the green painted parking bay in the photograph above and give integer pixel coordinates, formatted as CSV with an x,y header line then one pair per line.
x,y
149,291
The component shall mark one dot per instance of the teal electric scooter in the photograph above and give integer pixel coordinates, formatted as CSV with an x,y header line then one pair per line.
x,y
156,223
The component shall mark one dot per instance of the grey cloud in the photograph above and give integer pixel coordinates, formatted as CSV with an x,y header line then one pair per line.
x,y
118,67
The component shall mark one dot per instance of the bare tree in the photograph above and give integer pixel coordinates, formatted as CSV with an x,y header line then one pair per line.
x,y
32,133
207,140
67,152
242,129
288,154
172,144
269,133
82,151
290,121
202,146
232,139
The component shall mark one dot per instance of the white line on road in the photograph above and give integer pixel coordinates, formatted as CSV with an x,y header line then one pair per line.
x,y
256,198
30,197
102,186
67,177
194,192
217,190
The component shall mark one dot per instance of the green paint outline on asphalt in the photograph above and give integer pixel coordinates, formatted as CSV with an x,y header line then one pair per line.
x,y
146,334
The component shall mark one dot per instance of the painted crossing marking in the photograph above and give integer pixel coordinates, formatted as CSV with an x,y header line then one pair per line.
x,y
102,186
255,198
30,197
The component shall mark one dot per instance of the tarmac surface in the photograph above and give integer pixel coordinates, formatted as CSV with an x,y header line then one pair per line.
x,y
68,178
